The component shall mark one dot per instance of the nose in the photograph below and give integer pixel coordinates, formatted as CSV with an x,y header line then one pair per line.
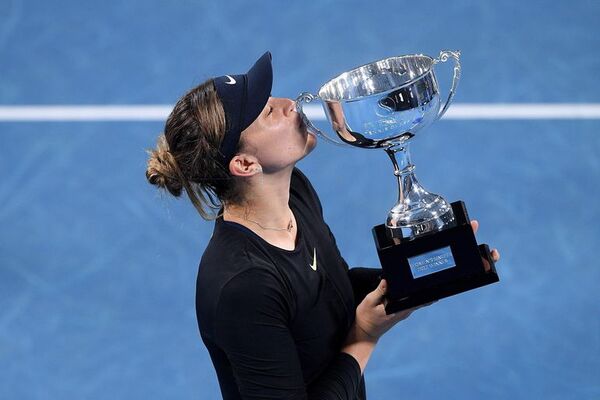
x,y
287,106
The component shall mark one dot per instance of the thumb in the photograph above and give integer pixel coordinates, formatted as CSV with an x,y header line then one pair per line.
x,y
376,296
475,225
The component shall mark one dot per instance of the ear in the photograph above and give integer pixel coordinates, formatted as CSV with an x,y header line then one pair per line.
x,y
244,165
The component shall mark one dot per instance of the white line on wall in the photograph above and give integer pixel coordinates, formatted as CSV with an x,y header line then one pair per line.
x,y
459,111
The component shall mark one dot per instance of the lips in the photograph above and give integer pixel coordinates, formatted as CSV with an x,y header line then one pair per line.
x,y
300,122
302,126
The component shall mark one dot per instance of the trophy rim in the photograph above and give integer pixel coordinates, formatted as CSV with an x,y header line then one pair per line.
x,y
407,83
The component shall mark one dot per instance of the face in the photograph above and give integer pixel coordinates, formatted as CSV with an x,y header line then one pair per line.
x,y
277,138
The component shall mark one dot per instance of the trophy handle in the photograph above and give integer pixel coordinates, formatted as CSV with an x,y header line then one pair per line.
x,y
306,97
455,55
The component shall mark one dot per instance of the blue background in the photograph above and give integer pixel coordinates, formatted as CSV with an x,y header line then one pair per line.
x,y
98,269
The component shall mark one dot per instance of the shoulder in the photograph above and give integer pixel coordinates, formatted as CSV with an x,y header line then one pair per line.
x,y
230,253
234,278
250,291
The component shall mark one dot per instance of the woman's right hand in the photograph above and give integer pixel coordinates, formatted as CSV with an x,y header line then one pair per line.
x,y
371,320
370,324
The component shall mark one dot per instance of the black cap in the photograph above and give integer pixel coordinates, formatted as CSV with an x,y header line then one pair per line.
x,y
243,97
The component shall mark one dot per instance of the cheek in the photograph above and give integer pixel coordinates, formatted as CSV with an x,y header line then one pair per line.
x,y
283,146
290,141
276,151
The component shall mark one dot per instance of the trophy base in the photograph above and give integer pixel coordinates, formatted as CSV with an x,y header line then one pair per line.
x,y
427,268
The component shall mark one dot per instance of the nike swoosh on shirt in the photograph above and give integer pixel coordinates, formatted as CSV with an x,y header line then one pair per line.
x,y
231,80
314,264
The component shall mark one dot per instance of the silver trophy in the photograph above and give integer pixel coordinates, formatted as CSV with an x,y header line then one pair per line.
x,y
384,104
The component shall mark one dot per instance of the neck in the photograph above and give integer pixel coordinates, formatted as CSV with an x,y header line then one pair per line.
x,y
267,200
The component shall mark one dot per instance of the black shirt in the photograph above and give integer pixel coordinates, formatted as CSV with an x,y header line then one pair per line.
x,y
272,324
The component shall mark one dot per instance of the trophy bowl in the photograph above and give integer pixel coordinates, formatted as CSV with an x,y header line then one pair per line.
x,y
385,102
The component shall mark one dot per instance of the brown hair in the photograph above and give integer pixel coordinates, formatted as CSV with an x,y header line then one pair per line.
x,y
186,155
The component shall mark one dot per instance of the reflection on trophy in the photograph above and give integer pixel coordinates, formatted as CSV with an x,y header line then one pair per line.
x,y
427,247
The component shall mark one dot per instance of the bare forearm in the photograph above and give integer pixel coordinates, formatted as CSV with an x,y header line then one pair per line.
x,y
360,346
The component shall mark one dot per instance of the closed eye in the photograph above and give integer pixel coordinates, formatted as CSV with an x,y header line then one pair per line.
x,y
270,110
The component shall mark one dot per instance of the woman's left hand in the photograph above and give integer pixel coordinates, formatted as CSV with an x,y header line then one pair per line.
x,y
495,253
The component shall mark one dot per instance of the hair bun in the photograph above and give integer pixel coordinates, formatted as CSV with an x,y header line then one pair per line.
x,y
162,168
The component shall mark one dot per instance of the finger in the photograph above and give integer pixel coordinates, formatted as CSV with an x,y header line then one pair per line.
x,y
376,296
410,310
399,316
380,308
475,225
495,255
382,287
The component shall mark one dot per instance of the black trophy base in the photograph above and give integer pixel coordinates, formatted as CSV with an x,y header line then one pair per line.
x,y
435,265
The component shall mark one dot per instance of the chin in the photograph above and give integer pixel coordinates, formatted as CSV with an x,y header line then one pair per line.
x,y
311,143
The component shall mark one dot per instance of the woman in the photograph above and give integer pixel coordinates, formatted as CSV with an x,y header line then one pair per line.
x,y
278,309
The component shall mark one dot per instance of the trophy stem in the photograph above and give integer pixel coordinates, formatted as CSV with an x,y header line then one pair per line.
x,y
417,211
402,168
